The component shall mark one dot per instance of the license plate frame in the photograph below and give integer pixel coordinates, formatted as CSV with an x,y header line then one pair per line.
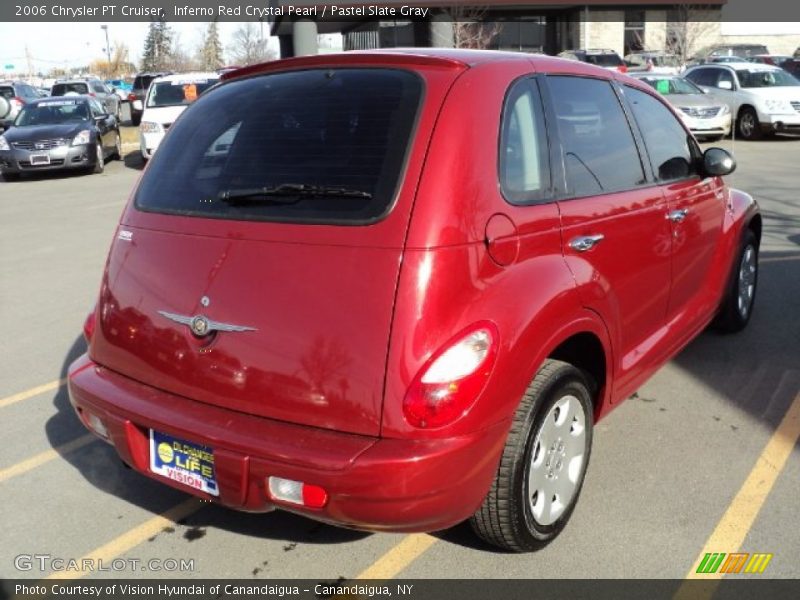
x,y
185,462
40,159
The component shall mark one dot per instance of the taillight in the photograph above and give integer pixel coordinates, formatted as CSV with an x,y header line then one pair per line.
x,y
622,68
297,492
448,385
18,102
92,94
131,97
89,325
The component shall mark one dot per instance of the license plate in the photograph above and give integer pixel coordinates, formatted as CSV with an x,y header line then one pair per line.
x,y
137,104
40,159
185,462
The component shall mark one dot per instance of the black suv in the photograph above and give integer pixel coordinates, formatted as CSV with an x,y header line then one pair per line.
x,y
139,91
608,59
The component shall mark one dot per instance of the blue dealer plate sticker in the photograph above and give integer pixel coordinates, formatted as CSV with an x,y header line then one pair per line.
x,y
185,462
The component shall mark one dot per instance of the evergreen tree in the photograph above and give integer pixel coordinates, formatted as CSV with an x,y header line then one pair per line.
x,y
211,52
157,47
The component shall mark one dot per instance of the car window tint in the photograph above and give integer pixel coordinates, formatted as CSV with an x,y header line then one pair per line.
x,y
98,88
341,133
524,165
7,92
61,89
668,143
600,154
706,77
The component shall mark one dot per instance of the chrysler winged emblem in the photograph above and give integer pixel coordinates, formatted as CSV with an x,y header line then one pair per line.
x,y
202,326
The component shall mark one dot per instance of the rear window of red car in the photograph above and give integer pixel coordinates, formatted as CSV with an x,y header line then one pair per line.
x,y
319,145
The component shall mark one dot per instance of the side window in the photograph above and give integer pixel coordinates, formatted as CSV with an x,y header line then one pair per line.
x,y
668,144
98,88
97,108
524,164
706,77
600,155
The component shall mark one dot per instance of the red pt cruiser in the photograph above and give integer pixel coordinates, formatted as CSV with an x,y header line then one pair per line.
x,y
395,290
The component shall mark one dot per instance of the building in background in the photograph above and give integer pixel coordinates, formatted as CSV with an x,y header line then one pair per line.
x,y
681,27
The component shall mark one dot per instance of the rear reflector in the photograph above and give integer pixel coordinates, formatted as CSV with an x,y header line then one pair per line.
x,y
95,423
89,324
297,492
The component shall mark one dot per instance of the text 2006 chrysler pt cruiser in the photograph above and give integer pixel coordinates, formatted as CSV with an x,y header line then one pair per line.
x,y
395,290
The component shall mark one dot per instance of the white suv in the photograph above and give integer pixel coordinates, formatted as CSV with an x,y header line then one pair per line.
x,y
763,98
167,97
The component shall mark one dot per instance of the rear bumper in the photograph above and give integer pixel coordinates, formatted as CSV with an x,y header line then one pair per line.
x,y
372,483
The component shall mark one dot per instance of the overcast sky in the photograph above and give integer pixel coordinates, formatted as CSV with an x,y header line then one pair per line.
x,y
76,44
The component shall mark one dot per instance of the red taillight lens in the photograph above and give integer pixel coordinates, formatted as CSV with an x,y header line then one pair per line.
x,y
18,102
622,68
89,325
448,385
92,94
131,97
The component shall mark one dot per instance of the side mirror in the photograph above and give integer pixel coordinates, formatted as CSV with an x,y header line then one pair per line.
x,y
718,162
725,85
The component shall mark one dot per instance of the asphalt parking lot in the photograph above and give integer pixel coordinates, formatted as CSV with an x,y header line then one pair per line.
x,y
684,467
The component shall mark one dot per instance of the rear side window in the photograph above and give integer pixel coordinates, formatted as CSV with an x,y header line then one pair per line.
x,y
600,154
668,143
314,146
524,165
7,92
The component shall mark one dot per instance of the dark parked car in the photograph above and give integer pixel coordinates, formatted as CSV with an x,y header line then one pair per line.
x,y
59,133
607,59
721,50
137,95
328,295
91,87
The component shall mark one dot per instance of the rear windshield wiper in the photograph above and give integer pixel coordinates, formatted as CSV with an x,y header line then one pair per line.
x,y
290,193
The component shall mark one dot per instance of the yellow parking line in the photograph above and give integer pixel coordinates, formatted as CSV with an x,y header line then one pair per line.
x,y
771,259
399,557
39,389
46,456
734,525
119,545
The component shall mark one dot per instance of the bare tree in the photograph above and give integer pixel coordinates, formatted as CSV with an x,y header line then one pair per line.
x,y
689,27
248,46
470,30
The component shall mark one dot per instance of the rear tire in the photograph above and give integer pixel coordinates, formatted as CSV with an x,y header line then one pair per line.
x,y
748,125
100,162
136,119
739,300
118,148
543,464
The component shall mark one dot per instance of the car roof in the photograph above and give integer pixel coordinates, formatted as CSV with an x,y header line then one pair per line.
x,y
191,75
748,66
83,97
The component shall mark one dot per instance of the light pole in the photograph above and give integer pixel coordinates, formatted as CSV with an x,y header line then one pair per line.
x,y
108,48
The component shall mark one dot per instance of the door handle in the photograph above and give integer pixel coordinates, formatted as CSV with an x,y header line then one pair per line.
x,y
586,242
677,216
